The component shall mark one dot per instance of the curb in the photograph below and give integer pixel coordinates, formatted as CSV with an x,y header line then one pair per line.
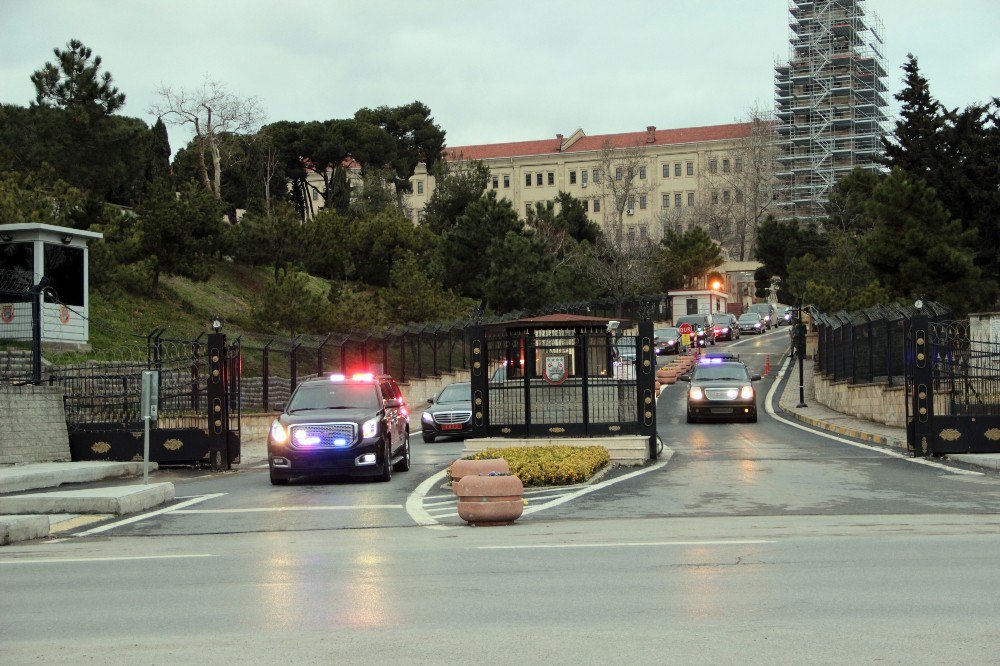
x,y
847,432
22,528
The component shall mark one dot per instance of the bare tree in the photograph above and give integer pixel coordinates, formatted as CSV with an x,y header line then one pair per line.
x,y
740,187
623,265
211,111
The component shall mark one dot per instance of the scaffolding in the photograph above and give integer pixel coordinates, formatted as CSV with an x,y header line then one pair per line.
x,y
830,102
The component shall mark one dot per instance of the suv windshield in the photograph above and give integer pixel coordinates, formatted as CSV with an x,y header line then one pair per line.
x,y
749,318
665,333
334,396
761,308
730,371
694,321
456,393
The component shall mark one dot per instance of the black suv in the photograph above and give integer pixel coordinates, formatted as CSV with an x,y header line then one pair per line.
x,y
721,388
337,425
703,331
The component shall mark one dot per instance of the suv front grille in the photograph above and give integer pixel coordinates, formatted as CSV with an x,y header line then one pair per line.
x,y
311,436
722,394
446,418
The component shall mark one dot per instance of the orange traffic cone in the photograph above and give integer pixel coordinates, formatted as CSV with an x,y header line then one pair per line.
x,y
767,364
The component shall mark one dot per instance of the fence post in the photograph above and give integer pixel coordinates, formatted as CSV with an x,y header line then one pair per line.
x,y
319,354
218,402
402,357
294,363
38,293
419,356
645,377
434,353
265,388
923,386
479,378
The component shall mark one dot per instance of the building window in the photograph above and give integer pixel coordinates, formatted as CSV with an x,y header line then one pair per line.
x,y
527,208
713,165
739,196
690,168
506,181
496,182
642,173
690,198
739,165
552,178
630,203
597,205
583,177
420,187
677,168
538,179
666,171
725,196
643,232
597,175
715,197
666,201
631,234
677,200
586,205
527,180
420,216
618,173
572,177
725,166
642,202
315,195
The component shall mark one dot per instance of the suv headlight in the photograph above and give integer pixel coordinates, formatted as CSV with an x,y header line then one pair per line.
x,y
279,435
696,393
746,392
370,428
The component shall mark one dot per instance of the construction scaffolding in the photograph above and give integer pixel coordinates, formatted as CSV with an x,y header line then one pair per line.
x,y
830,101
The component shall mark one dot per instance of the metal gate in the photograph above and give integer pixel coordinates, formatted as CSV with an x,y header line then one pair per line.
x,y
563,383
953,389
199,405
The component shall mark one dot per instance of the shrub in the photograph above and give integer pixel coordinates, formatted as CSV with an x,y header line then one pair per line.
x,y
550,465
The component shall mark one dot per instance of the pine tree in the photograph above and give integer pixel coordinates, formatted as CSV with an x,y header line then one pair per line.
x,y
915,145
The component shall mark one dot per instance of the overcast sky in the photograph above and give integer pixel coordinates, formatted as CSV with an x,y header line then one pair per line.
x,y
490,71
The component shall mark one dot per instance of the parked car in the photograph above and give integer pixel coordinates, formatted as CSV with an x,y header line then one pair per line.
x,y
450,412
721,389
338,425
668,341
701,324
724,326
766,312
750,322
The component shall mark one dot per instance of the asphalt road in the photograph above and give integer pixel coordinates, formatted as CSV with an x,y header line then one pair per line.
x,y
756,542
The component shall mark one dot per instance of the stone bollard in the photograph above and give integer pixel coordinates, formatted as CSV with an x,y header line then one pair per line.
x,y
490,500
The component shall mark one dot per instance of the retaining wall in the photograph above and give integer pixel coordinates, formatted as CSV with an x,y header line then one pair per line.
x,y
32,425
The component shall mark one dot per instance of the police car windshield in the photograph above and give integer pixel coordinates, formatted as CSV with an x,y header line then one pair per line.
x,y
456,393
723,371
334,396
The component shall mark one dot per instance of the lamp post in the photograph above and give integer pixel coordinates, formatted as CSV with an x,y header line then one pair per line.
x,y
800,351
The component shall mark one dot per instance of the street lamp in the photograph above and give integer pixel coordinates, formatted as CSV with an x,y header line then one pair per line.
x,y
216,324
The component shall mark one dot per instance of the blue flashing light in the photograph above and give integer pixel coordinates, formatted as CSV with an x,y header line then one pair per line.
x,y
340,441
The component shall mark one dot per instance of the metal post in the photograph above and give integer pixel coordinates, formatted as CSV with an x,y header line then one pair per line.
x,y
434,352
480,382
294,363
923,386
584,382
343,354
529,366
265,388
419,355
319,354
38,292
402,357
218,402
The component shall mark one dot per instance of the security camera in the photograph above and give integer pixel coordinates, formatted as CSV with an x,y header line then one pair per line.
x,y
613,325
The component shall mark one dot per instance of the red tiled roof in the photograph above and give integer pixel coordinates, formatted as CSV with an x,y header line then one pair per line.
x,y
664,137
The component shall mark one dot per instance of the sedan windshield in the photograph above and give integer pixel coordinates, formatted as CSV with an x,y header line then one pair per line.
x,y
456,393
334,396
665,333
725,371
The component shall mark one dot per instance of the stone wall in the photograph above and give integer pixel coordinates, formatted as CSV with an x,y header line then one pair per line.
x,y
33,425
875,402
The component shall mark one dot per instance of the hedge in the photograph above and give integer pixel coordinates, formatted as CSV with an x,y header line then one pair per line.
x,y
550,465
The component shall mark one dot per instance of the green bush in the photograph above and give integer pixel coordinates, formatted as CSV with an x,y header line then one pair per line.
x,y
550,465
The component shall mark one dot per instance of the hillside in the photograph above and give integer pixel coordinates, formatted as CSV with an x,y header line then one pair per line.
x,y
185,307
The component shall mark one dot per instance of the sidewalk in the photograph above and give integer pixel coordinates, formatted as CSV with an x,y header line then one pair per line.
x,y
25,515
821,416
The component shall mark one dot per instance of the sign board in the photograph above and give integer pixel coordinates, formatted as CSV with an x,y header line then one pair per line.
x,y
150,394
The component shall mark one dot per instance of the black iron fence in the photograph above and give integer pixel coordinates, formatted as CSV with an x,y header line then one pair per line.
x,y
868,346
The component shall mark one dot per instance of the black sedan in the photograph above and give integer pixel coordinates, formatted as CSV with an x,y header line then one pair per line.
x,y
721,390
450,413
750,322
667,341
725,327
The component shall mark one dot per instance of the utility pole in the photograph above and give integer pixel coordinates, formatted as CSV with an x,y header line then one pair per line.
x,y
800,351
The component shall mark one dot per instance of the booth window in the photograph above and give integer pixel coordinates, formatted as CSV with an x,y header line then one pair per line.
x,y
17,257
64,269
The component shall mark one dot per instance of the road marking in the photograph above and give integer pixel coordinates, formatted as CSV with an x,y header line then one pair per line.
x,y
414,503
66,560
144,516
265,509
629,544
892,454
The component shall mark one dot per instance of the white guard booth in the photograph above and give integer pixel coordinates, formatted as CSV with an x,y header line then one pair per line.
x,y
697,301
59,254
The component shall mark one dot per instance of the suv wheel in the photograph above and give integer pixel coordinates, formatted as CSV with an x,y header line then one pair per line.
x,y
278,479
404,464
386,473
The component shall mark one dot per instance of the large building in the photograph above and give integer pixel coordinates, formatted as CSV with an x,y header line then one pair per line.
x,y
677,170
830,101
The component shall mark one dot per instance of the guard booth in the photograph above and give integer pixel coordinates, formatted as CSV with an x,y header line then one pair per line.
x,y
57,258
563,375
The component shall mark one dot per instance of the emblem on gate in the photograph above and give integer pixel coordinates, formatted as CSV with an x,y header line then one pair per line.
x,y
63,314
7,313
556,369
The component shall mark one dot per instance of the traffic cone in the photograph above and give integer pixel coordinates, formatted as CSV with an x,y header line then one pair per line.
x,y
767,365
